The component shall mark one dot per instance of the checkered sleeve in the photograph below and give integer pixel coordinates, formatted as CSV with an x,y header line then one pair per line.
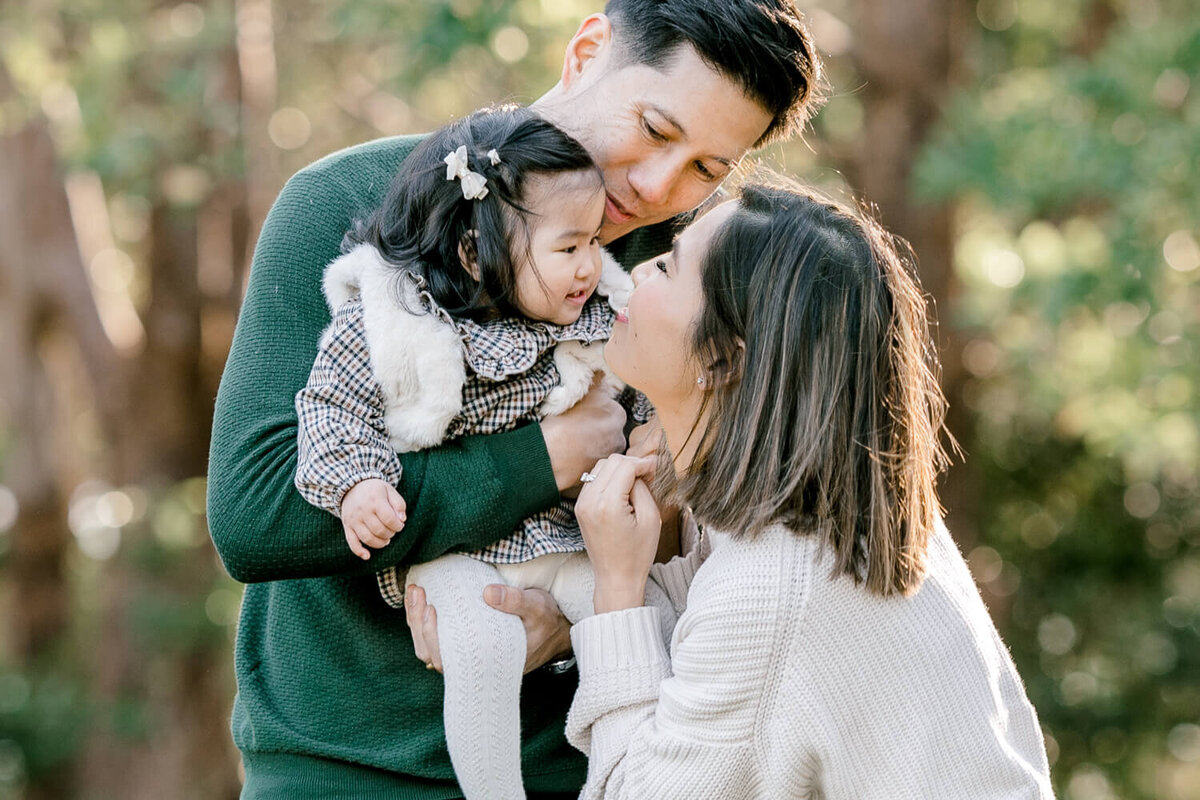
x,y
636,405
342,436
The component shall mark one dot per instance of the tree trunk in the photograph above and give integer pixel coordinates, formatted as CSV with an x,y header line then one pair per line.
x,y
908,55
41,277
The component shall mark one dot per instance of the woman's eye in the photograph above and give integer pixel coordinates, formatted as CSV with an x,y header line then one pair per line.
x,y
660,265
653,132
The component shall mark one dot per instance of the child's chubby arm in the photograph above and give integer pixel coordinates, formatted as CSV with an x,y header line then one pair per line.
x,y
372,513
342,439
462,495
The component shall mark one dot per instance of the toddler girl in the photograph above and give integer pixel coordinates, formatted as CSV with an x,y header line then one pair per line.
x,y
466,304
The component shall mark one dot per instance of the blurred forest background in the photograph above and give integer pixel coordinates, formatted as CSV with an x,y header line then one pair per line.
x,y
1041,156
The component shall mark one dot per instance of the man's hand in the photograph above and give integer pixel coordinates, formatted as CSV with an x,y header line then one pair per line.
x,y
547,632
372,513
591,430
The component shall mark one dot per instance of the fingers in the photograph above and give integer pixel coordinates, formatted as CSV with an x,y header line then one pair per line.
x,y
644,440
356,546
617,472
399,507
422,621
644,506
508,599
547,631
373,531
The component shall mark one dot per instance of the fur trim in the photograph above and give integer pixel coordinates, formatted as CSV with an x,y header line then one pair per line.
x,y
417,358
615,283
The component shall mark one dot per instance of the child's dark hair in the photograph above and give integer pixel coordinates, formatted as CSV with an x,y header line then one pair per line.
x,y
425,225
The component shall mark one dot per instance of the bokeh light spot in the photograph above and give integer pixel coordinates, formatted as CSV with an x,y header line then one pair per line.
x,y
1171,88
996,15
1142,500
985,564
510,44
1088,782
289,128
187,20
1181,251
1056,634
1184,742
1004,268
1155,654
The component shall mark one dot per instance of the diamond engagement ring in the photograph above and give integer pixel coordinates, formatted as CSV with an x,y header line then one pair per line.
x,y
587,477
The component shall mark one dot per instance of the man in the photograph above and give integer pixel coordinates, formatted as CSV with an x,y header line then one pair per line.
x,y
667,97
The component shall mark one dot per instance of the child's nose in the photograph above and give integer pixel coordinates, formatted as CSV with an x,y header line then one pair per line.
x,y
590,264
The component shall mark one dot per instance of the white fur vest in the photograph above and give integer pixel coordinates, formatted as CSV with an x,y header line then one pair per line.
x,y
418,358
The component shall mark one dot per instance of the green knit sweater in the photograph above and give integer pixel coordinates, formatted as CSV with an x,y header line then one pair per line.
x,y
331,700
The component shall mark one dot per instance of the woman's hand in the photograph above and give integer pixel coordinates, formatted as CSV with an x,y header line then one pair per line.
x,y
621,525
644,440
547,632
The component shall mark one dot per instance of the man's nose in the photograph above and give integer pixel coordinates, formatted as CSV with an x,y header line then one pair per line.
x,y
654,179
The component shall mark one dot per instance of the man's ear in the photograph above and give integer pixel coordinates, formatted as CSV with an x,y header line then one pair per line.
x,y
587,48
468,254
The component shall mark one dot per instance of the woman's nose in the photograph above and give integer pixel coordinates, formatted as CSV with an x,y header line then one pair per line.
x,y
639,272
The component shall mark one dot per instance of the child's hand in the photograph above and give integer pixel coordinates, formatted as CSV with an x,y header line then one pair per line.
x,y
372,513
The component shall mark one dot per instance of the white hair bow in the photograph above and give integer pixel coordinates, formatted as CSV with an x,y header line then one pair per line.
x,y
473,184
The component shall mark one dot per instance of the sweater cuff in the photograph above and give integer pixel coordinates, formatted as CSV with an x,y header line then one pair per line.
x,y
619,640
527,474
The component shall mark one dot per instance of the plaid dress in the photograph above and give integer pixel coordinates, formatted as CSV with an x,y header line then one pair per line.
x,y
510,370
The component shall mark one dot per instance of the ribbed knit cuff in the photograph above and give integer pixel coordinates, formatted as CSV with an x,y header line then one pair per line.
x,y
619,640
531,479
675,577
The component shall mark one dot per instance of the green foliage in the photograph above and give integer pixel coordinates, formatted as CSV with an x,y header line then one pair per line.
x,y
1080,271
42,719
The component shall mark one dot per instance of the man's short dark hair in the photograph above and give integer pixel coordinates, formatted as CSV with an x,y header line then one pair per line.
x,y
763,45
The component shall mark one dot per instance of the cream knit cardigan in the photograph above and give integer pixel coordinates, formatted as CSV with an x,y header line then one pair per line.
x,y
787,682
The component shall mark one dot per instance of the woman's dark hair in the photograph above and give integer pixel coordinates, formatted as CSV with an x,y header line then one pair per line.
x,y
762,45
425,225
826,413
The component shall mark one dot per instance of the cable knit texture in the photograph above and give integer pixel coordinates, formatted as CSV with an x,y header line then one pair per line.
x,y
786,681
331,700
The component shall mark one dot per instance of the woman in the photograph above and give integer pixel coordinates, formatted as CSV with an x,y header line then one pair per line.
x,y
833,644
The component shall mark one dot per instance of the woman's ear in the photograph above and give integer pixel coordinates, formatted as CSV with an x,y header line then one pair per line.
x,y
723,372
587,49
468,254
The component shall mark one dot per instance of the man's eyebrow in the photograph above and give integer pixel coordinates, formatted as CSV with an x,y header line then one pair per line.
x,y
674,123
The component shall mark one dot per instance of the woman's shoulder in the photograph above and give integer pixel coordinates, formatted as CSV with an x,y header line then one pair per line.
x,y
770,569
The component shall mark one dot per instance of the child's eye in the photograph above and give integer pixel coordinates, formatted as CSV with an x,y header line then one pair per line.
x,y
569,250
